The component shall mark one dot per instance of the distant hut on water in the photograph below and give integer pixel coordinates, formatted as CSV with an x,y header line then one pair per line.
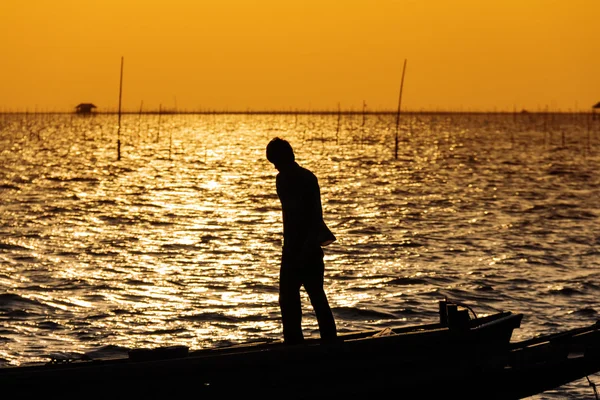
x,y
85,108
594,108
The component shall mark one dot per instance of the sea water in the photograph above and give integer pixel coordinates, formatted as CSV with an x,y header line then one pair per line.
x,y
165,229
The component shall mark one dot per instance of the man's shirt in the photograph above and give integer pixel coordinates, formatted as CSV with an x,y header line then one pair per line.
x,y
299,193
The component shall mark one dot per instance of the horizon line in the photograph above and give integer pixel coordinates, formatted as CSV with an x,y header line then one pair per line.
x,y
301,112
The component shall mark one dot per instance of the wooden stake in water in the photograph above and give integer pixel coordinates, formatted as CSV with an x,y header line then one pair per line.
x,y
159,117
398,113
337,130
170,141
119,125
362,126
140,120
589,119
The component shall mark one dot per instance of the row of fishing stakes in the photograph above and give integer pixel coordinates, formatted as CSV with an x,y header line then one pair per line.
x,y
338,128
119,123
396,140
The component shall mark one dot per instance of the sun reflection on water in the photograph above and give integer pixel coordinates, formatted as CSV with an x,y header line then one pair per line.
x,y
182,244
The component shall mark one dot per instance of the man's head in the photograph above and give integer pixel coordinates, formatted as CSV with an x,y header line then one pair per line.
x,y
280,152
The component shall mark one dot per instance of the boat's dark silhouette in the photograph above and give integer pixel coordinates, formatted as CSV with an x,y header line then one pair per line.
x,y
458,357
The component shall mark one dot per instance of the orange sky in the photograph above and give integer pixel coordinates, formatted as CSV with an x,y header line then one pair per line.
x,y
309,54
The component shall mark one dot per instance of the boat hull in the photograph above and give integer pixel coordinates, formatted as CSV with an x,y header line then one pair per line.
x,y
434,357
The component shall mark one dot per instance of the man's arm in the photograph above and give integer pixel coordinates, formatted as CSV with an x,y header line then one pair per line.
x,y
314,208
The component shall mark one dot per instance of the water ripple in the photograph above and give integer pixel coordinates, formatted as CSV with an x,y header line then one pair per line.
x,y
180,242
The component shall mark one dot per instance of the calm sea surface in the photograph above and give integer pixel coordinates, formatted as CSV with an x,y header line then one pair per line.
x,y
178,242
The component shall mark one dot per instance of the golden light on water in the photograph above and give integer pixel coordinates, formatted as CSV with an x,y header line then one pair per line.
x,y
167,248
211,185
79,302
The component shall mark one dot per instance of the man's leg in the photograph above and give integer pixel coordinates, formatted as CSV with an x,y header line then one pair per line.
x,y
290,304
313,283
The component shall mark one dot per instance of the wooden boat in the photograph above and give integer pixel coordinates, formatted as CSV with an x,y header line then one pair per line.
x,y
536,365
458,356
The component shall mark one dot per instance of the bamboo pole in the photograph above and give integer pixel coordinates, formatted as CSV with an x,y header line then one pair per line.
x,y
170,141
362,125
589,119
398,113
159,118
119,125
140,121
337,130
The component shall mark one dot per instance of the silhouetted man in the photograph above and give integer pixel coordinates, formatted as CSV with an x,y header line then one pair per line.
x,y
304,232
